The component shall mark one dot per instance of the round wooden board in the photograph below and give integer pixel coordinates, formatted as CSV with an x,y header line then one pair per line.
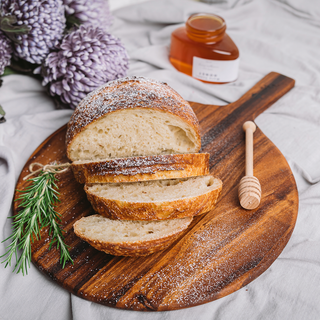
x,y
221,251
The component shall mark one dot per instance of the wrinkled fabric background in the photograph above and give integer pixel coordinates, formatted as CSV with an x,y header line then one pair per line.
x,y
272,35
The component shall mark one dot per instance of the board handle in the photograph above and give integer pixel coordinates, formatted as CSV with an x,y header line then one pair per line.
x,y
263,94
259,98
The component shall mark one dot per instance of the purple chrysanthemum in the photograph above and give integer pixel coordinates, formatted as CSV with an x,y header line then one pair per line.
x,y
96,13
86,59
5,52
46,23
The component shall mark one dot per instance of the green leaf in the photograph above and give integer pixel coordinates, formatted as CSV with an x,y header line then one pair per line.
x,y
11,30
73,21
7,71
2,112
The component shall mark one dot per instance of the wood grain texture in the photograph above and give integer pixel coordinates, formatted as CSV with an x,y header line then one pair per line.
x,y
220,252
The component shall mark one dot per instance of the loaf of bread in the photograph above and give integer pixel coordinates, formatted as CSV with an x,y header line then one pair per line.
x,y
142,168
155,200
134,142
129,238
129,117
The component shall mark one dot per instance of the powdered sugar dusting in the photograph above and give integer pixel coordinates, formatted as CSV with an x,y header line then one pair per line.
x,y
129,92
138,165
135,170
139,161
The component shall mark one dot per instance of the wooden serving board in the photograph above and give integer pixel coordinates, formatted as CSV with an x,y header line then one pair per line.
x,y
220,252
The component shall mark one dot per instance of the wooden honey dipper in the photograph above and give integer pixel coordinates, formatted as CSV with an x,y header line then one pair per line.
x,y
249,188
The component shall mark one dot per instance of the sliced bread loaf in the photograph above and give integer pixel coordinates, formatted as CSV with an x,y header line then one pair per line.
x,y
129,238
129,117
155,200
142,168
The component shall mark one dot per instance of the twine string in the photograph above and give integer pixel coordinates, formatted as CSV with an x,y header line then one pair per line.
x,y
50,168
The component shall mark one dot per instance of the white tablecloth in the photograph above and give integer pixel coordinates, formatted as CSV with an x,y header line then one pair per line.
x,y
281,36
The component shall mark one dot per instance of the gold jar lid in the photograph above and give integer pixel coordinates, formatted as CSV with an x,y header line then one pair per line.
x,y
205,27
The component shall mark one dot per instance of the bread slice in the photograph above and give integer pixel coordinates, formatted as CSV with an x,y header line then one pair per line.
x,y
129,238
155,200
129,117
142,168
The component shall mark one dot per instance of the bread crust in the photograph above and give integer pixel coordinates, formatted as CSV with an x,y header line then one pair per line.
x,y
138,248
162,210
142,168
133,93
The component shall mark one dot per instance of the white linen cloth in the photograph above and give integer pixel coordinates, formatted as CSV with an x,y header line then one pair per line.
x,y
281,36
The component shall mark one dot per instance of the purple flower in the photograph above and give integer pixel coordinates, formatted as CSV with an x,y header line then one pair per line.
x,y
5,52
86,59
96,13
46,23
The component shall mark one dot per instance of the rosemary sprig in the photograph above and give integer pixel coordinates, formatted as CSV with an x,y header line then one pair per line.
x,y
36,212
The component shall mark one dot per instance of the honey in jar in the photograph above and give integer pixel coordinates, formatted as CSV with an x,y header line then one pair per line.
x,y
203,50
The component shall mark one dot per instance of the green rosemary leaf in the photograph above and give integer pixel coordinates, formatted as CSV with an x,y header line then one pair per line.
x,y
58,237
36,211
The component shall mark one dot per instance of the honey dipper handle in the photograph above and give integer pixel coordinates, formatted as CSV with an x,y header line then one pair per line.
x,y
249,187
249,127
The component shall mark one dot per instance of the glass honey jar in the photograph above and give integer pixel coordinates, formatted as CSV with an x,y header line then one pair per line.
x,y
203,50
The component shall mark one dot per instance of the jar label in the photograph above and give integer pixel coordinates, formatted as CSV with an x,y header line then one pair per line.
x,y
215,70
